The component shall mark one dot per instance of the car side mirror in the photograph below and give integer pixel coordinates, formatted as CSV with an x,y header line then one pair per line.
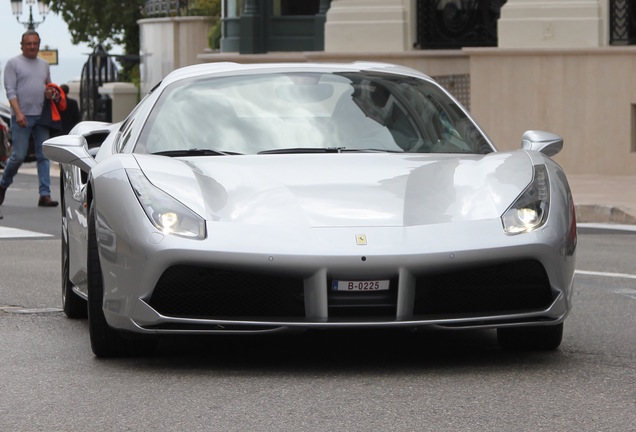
x,y
69,149
545,142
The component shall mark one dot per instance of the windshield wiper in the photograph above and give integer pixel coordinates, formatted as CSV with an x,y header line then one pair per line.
x,y
303,150
370,150
327,150
195,152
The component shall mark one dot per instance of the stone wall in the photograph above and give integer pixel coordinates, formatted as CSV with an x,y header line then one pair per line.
x,y
586,95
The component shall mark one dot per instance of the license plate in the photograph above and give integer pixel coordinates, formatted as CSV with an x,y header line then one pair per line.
x,y
355,286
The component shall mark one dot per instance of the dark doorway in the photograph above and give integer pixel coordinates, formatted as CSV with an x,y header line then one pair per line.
x,y
298,7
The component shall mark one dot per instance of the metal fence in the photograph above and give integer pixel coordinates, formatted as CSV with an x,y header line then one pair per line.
x,y
622,22
458,86
165,8
451,24
98,70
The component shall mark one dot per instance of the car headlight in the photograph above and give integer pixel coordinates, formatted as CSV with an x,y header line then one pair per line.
x,y
165,212
530,211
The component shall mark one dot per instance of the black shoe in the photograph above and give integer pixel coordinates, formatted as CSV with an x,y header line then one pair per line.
x,y
46,201
3,190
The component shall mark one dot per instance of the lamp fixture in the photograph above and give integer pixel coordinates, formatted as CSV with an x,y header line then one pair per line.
x,y
17,6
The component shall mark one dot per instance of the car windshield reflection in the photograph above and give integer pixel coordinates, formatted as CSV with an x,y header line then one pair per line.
x,y
309,113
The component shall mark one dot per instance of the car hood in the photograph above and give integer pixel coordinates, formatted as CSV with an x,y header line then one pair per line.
x,y
343,189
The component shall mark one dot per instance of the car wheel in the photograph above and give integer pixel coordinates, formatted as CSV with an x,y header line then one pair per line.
x,y
539,338
106,341
74,306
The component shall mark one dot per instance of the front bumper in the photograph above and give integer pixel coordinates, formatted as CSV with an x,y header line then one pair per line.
x,y
467,275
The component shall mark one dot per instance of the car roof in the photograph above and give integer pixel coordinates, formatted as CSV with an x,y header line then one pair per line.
x,y
229,68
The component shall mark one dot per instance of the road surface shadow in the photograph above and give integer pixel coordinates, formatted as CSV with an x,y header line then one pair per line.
x,y
340,351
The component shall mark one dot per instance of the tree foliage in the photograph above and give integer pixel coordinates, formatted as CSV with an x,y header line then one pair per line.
x,y
205,7
105,22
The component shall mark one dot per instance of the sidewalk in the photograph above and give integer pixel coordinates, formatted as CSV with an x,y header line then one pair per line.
x,y
598,199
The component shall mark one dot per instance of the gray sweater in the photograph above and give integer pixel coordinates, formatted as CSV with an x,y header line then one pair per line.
x,y
26,79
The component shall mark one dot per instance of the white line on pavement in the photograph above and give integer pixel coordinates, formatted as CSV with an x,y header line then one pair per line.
x,y
605,274
628,292
8,233
23,310
606,226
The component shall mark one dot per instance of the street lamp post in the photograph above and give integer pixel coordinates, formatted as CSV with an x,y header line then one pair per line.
x,y
16,7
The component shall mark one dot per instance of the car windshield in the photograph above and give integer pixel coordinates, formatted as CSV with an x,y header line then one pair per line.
x,y
304,112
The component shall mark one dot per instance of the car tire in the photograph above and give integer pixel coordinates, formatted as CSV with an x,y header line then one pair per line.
x,y
106,341
534,338
74,306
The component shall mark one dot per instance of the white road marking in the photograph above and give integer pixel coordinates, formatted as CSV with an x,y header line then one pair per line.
x,y
605,274
9,233
32,169
23,310
605,226
628,292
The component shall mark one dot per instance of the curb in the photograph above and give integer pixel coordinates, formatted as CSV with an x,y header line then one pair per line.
x,y
592,213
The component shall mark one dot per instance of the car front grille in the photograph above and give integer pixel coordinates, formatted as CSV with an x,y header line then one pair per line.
x,y
502,288
199,292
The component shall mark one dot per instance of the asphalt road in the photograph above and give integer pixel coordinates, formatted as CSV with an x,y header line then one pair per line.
x,y
435,380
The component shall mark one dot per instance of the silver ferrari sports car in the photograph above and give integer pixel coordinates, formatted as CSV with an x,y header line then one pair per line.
x,y
288,197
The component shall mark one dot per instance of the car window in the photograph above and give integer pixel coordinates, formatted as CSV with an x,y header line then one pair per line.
x,y
249,114
129,125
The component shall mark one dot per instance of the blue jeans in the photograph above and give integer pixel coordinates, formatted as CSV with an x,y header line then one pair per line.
x,y
20,136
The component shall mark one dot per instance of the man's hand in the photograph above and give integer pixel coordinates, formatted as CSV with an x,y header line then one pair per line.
x,y
20,118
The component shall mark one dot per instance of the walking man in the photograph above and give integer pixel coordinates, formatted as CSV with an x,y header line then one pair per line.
x,y
25,80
